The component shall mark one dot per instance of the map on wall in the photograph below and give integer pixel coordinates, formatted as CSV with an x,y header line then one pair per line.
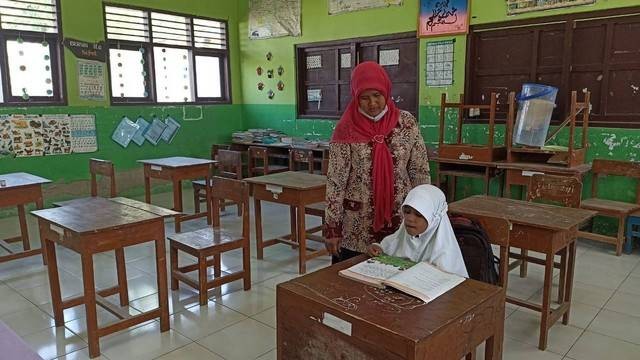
x,y
274,18
522,6
340,6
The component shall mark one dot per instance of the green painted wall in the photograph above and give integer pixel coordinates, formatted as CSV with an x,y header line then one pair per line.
x,y
201,125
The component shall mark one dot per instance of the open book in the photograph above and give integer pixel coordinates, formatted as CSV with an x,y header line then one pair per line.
x,y
422,280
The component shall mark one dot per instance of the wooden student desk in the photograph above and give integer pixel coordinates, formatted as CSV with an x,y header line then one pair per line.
x,y
486,170
20,189
296,189
176,169
325,316
93,225
546,229
519,173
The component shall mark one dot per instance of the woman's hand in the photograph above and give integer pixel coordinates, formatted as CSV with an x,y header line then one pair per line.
x,y
374,250
333,245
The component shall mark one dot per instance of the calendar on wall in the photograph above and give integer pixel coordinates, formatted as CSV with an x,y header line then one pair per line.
x,y
523,6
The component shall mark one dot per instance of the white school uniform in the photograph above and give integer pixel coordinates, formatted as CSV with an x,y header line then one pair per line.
x,y
437,245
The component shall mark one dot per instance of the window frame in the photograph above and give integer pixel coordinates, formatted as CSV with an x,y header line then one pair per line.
x,y
569,22
152,98
58,74
354,45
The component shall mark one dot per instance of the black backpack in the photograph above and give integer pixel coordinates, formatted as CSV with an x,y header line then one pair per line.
x,y
476,250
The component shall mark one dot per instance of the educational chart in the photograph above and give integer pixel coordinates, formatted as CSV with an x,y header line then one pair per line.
x,y
522,6
340,6
91,80
439,71
274,18
49,134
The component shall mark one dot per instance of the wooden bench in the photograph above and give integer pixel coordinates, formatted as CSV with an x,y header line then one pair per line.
x,y
611,208
208,244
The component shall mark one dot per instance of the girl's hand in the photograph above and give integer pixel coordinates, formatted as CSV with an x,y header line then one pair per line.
x,y
374,250
333,245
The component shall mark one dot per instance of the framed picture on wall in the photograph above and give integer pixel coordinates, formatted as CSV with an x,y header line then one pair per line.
x,y
443,17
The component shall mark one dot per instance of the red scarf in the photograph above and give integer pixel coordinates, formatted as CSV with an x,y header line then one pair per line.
x,y
355,128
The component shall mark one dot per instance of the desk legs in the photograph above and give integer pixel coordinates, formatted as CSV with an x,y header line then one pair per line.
x,y
24,230
293,222
177,202
302,240
121,270
258,212
546,301
54,280
147,189
90,304
161,275
568,292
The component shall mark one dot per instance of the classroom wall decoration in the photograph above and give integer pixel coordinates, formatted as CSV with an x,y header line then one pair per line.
x,y
141,130
443,17
439,67
522,6
274,18
49,134
340,6
91,80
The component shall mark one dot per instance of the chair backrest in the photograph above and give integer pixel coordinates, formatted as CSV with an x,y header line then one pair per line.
x,y
564,190
298,157
258,155
234,190
229,164
104,168
601,168
217,147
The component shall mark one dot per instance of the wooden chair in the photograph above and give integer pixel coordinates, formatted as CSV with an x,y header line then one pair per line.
x,y
610,208
229,166
208,244
298,157
259,162
563,190
558,190
106,169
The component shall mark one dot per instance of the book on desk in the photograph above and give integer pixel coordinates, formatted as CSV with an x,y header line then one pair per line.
x,y
421,280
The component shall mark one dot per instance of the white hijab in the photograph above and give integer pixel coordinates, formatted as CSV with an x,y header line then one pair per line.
x,y
438,244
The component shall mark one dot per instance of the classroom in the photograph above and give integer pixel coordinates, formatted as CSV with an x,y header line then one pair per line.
x,y
319,179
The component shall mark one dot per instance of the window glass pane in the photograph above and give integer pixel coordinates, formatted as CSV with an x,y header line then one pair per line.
x,y
31,15
127,73
174,74
29,68
208,76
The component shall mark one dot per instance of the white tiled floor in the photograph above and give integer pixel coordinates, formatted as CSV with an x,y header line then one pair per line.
x,y
605,318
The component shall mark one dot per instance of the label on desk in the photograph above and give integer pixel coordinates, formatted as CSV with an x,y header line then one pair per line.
x,y
531,173
57,229
274,188
336,323
156,168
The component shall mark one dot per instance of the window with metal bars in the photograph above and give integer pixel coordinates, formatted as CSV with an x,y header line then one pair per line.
x,y
31,60
163,57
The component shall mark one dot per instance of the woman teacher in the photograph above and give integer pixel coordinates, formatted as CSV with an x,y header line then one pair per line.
x,y
376,156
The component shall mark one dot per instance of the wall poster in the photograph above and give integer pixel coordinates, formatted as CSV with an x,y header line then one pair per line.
x,y
443,17
523,6
340,6
274,18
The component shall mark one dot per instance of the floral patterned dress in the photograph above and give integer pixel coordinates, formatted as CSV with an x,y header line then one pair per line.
x,y
349,211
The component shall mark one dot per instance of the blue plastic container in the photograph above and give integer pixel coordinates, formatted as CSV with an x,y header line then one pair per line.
x,y
535,107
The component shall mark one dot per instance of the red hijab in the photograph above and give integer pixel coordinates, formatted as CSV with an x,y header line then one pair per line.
x,y
355,128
